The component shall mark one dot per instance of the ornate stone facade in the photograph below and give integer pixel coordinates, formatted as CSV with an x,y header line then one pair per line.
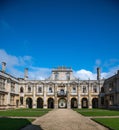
x,y
60,90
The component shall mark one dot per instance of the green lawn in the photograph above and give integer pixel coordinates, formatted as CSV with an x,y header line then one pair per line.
x,y
97,112
112,123
25,112
13,123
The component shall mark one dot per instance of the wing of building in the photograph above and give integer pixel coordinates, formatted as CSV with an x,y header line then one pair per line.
x,y
60,90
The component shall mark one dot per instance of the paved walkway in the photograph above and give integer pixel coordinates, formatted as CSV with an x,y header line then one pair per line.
x,y
64,119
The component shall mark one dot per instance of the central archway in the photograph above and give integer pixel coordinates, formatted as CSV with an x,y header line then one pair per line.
x,y
74,103
39,103
50,103
62,103
29,102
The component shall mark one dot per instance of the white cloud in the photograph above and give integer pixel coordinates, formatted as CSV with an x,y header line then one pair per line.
x,y
85,74
16,65
13,63
39,73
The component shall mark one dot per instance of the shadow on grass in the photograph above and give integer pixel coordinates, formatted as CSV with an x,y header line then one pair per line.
x,y
32,127
17,124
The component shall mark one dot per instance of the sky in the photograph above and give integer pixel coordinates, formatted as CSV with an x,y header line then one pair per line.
x,y
43,34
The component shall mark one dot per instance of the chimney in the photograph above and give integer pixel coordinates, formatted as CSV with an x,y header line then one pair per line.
x,y
26,73
117,71
3,66
98,73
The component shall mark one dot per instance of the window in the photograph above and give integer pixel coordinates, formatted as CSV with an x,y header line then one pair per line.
x,y
29,89
39,89
84,89
74,89
111,100
111,87
95,89
2,84
2,97
50,90
21,90
62,91
12,87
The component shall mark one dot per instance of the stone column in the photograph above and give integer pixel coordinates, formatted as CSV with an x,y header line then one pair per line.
x,y
55,92
34,96
45,100
79,101
89,96
68,96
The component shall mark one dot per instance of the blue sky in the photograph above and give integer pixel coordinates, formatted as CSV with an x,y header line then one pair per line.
x,y
42,34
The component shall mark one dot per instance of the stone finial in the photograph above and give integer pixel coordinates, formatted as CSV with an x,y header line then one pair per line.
x,y
98,73
3,66
26,73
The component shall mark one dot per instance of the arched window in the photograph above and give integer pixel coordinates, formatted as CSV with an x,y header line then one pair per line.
x,y
29,89
21,90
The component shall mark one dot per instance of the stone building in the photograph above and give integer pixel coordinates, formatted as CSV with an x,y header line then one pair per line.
x,y
109,95
61,90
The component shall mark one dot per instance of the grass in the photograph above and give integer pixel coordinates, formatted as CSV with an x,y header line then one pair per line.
x,y
112,123
13,123
97,112
24,112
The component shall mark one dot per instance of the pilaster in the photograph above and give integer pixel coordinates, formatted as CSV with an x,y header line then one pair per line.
x,y
68,96
45,100
56,101
79,101
34,96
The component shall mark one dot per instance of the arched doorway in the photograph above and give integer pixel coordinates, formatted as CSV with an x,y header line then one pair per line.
x,y
95,103
39,103
84,103
74,103
29,102
50,103
62,103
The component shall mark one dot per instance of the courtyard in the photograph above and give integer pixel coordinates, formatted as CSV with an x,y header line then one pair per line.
x,y
59,119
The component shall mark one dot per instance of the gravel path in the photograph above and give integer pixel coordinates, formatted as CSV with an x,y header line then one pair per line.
x,y
64,119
